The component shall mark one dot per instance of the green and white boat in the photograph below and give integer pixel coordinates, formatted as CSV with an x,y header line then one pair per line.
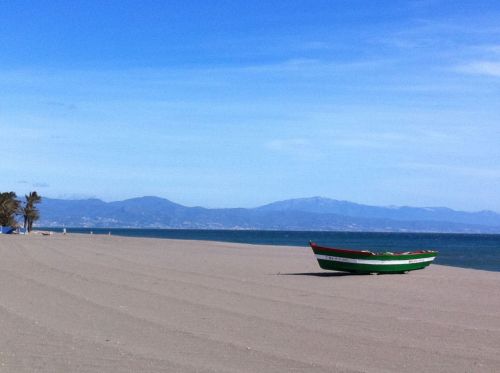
x,y
365,261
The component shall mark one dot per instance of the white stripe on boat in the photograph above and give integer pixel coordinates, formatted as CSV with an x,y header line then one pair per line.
x,y
373,262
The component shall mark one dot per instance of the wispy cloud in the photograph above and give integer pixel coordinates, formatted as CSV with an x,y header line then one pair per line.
x,y
75,196
288,144
491,49
315,45
307,67
34,184
381,140
414,137
62,105
298,148
467,171
491,68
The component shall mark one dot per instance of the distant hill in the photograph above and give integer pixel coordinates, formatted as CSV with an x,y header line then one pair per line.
x,y
314,213
321,205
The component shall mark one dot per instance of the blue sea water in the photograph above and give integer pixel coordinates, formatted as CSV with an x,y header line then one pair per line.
x,y
479,251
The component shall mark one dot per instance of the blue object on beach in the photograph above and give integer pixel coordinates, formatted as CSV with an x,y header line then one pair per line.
x,y
6,230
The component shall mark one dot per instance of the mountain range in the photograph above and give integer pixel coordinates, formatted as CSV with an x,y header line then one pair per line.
x,y
316,213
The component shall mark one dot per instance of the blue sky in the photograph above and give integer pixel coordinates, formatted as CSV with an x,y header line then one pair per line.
x,y
238,103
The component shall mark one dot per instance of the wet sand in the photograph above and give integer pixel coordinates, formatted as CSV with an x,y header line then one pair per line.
x,y
88,303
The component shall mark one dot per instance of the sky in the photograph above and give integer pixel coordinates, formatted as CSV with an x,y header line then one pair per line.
x,y
241,103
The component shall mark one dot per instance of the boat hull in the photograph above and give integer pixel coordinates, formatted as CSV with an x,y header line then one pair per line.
x,y
367,262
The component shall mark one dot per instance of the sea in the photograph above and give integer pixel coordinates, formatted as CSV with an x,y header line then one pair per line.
x,y
478,251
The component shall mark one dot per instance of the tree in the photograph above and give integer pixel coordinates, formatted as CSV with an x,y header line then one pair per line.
x,y
29,211
9,208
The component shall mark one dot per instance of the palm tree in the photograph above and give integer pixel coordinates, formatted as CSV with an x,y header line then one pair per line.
x,y
29,211
9,207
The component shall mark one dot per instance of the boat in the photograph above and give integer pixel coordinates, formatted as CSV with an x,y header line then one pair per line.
x,y
365,261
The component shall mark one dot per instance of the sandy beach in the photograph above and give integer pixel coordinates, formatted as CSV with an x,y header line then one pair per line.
x,y
88,303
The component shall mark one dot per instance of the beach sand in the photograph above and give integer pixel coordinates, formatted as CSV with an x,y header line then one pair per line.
x,y
89,303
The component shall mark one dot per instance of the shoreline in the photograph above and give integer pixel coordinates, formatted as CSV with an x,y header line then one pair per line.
x,y
209,242
483,254
53,229
111,303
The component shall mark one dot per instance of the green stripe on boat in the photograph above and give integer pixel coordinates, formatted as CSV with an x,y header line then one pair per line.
x,y
373,261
